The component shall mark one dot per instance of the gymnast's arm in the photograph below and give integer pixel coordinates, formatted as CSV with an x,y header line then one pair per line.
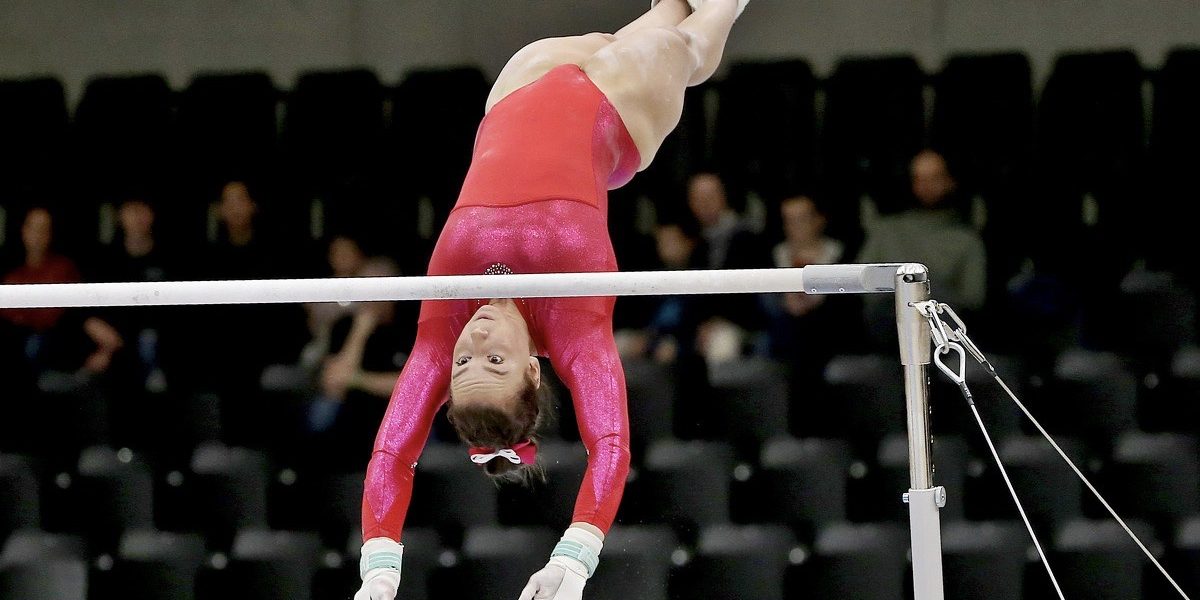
x,y
419,393
584,355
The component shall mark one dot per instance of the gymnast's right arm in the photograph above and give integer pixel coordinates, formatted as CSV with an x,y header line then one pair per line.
x,y
419,393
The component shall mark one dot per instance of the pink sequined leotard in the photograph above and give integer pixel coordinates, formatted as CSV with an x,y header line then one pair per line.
x,y
534,199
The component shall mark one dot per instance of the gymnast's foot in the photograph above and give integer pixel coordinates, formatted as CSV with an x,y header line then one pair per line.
x,y
695,4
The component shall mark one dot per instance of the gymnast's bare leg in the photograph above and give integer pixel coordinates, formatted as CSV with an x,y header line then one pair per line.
x,y
644,68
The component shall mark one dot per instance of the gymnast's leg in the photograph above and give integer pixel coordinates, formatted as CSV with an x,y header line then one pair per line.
x,y
645,72
536,59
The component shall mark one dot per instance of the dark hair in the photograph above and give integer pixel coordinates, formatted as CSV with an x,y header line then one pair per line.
x,y
489,425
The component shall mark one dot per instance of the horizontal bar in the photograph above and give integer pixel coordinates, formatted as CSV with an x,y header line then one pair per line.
x,y
816,279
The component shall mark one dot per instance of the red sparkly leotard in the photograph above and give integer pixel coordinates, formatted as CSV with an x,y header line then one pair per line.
x,y
534,199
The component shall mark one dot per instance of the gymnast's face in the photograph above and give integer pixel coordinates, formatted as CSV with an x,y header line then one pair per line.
x,y
493,357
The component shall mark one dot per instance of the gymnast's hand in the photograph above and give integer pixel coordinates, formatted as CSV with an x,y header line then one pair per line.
x,y
571,564
554,582
380,569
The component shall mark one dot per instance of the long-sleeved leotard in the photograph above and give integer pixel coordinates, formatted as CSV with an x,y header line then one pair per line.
x,y
535,199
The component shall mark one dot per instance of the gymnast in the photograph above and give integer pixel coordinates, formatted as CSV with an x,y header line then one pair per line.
x,y
567,119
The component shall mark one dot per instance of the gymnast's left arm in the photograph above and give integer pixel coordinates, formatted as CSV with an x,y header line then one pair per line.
x,y
584,355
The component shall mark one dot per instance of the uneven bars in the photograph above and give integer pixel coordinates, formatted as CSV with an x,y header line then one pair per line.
x,y
813,279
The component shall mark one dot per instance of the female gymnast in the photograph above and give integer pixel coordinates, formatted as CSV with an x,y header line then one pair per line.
x,y
568,119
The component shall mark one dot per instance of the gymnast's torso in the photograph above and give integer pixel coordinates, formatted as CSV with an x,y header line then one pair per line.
x,y
535,201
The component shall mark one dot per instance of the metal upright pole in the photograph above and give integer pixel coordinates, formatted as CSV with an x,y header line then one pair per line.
x,y
924,500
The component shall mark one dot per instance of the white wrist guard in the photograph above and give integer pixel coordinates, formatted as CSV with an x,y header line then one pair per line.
x,y
380,553
578,551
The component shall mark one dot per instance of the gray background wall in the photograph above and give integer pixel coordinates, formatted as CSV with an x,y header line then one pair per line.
x,y
76,39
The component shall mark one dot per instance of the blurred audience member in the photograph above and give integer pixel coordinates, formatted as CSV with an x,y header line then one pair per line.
x,y
345,257
669,323
136,255
807,330
932,233
730,244
356,378
244,340
55,339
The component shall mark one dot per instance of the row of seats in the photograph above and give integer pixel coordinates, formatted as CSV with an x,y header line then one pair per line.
x,y
993,560
1090,395
344,134
800,483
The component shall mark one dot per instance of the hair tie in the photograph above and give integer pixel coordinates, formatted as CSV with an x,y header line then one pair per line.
x,y
524,453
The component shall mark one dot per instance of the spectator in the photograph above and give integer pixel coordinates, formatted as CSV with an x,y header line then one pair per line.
x,y
932,233
55,338
806,330
246,338
356,378
136,255
345,257
730,244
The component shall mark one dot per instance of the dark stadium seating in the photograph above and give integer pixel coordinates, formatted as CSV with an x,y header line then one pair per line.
x,y
722,501
737,562
765,140
644,551
33,123
874,124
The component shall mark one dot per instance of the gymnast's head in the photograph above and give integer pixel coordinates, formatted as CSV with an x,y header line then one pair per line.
x,y
496,395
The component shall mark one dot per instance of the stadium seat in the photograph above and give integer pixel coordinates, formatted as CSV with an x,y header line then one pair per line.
x,y
1182,561
765,138
225,492
331,133
226,130
1175,126
110,491
435,115
652,393
737,562
551,501
799,482
861,561
684,484
273,565
864,399
641,551
983,116
1092,395
495,562
33,121
1152,316
983,123
35,565
1175,122
1090,151
122,141
1172,405
874,124
445,475
329,504
1096,559
151,565
57,579
749,403
19,494
227,124
1155,477
1049,491
984,560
